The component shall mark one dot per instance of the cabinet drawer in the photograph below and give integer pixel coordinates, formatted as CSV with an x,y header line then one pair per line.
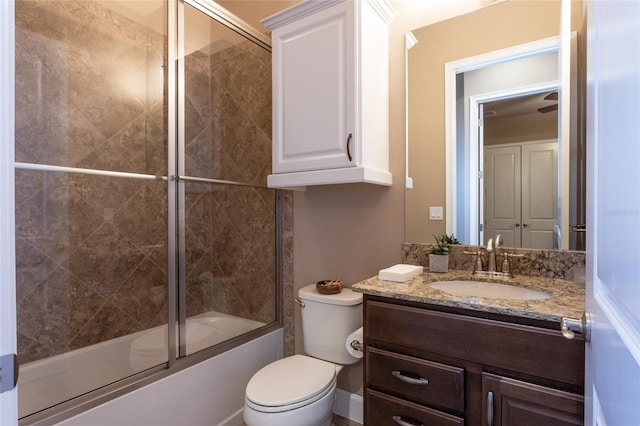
x,y
416,379
514,347
386,410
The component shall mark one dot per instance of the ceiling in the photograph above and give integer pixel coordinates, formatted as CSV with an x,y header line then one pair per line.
x,y
521,105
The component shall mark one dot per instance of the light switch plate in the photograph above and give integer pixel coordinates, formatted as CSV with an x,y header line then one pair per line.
x,y
435,213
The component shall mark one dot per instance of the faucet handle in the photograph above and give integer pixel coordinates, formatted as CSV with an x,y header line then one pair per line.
x,y
506,266
479,265
514,255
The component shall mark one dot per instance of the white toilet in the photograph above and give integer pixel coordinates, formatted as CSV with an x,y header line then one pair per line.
x,y
299,390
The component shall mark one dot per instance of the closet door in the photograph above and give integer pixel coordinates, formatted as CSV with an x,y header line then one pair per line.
x,y
539,195
502,194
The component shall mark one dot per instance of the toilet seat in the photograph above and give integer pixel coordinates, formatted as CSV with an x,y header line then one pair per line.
x,y
290,383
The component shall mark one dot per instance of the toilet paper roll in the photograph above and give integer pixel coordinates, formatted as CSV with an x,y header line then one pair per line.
x,y
355,343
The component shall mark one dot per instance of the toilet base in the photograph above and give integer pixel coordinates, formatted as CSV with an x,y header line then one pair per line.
x,y
294,422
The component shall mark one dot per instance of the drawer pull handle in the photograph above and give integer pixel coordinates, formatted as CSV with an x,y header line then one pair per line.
x,y
490,408
406,421
406,377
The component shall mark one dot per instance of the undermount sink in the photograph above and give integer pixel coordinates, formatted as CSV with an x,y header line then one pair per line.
x,y
492,290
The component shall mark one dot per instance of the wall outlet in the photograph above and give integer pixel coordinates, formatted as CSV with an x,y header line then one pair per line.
x,y
435,213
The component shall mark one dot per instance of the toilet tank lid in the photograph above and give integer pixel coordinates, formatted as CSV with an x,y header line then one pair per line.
x,y
345,297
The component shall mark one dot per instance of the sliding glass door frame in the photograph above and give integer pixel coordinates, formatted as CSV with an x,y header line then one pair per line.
x,y
175,179
8,334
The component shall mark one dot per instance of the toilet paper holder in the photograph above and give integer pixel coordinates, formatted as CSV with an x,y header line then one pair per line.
x,y
357,345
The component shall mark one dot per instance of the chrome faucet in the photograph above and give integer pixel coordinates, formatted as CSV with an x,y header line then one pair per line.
x,y
492,249
498,243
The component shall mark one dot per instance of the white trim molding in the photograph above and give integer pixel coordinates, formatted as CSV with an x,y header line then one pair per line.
x,y
349,405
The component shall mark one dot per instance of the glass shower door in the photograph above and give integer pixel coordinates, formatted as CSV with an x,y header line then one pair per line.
x,y
227,267
142,147
91,194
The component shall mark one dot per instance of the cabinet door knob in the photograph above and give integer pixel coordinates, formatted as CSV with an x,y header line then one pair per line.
x,y
571,326
407,378
349,143
406,421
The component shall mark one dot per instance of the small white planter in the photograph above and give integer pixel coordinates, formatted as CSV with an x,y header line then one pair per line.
x,y
438,263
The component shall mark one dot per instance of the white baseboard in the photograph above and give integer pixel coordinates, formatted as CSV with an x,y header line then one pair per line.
x,y
349,405
234,419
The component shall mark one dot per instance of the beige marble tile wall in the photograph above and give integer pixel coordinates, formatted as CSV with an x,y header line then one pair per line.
x,y
91,250
230,236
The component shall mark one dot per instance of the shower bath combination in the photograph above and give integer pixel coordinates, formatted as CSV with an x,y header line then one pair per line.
x,y
110,245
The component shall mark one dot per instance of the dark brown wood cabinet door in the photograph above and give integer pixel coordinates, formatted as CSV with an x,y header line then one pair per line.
x,y
509,402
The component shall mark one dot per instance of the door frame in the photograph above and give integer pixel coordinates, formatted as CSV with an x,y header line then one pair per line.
x,y
8,342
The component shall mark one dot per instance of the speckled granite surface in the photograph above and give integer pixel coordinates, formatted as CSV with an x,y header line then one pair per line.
x,y
564,264
567,297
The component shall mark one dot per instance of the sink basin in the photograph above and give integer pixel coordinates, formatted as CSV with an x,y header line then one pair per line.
x,y
492,290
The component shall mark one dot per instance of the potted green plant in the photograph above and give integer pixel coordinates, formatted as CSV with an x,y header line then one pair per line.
x,y
439,252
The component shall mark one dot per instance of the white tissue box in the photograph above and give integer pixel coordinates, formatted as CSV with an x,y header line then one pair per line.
x,y
400,272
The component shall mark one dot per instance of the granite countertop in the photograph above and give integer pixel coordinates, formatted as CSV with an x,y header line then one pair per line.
x,y
567,298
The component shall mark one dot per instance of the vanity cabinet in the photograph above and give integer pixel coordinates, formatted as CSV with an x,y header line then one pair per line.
x,y
426,365
330,93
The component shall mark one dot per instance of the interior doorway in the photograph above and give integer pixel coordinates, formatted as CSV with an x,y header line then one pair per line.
x,y
516,144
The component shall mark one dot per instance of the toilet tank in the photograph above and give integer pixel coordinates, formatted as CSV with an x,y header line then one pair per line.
x,y
327,320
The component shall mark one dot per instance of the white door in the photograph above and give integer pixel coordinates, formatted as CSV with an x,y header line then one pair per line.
x,y
539,195
613,212
502,194
8,399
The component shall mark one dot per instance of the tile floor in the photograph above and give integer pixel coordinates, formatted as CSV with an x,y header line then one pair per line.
x,y
338,421
341,421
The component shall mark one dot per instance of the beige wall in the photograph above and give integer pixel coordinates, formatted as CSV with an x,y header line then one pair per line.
x,y
352,231
520,128
499,26
252,11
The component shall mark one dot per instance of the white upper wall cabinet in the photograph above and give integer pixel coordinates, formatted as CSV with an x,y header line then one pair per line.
x,y
330,93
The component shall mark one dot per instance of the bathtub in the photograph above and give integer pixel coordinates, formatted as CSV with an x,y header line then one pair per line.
x,y
49,381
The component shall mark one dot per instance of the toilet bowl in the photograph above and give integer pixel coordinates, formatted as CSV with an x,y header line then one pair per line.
x,y
300,390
